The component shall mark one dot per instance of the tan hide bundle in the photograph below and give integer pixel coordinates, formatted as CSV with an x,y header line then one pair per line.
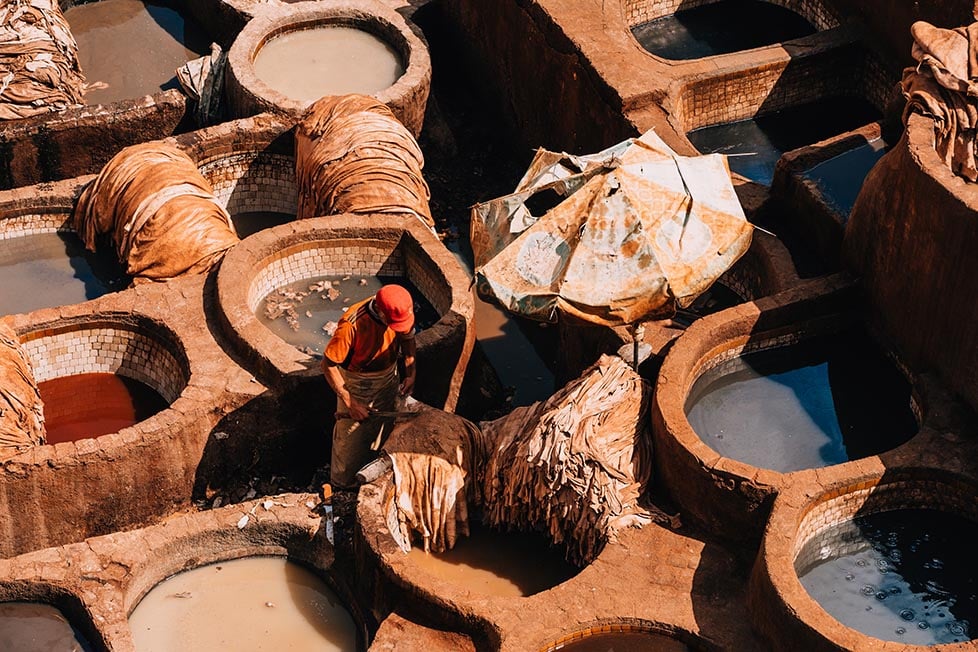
x,y
944,86
39,70
575,465
434,462
159,211
353,156
21,409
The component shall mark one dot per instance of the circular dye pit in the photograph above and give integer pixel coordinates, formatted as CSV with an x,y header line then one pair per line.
x,y
132,47
906,575
253,603
305,313
816,403
502,564
250,222
35,627
308,64
98,377
719,28
620,641
95,404
47,270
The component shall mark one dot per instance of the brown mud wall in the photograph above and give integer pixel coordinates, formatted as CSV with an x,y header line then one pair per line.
x,y
912,237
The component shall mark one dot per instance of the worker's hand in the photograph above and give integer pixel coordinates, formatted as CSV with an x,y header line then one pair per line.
x,y
407,385
358,411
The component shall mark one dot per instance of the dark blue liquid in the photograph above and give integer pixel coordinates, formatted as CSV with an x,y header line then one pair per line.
x,y
907,575
53,269
754,146
719,28
841,177
804,406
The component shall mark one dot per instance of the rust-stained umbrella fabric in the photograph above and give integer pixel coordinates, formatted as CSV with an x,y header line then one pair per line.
x,y
944,86
354,156
21,409
641,231
39,71
159,211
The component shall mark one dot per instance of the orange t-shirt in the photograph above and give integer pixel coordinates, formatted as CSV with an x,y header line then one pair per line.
x,y
362,342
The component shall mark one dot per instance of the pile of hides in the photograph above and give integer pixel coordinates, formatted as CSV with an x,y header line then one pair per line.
x,y
353,156
39,71
575,465
159,212
21,410
434,458
943,87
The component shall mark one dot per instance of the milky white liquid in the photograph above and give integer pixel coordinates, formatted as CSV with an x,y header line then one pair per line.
x,y
254,604
307,64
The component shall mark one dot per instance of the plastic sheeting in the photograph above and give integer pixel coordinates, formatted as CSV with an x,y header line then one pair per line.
x,y
944,86
640,230
202,80
575,465
158,210
39,70
353,156
21,409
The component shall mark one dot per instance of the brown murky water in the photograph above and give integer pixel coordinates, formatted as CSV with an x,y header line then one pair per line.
x,y
34,627
260,604
307,64
503,564
90,405
133,47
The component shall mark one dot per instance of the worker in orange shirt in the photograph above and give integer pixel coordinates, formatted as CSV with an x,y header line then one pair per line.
x,y
360,364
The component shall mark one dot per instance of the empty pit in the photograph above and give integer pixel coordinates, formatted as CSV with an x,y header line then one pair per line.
x,y
250,164
884,558
371,248
288,56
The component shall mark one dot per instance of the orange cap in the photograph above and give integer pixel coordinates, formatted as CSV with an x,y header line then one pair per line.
x,y
398,307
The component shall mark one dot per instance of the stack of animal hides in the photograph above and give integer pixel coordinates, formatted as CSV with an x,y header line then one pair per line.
x,y
21,410
159,212
39,70
434,458
573,466
354,156
944,86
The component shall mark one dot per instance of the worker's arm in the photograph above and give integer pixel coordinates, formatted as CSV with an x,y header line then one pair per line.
x,y
410,350
357,410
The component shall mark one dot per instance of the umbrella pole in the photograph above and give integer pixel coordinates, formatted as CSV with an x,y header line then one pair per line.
x,y
638,332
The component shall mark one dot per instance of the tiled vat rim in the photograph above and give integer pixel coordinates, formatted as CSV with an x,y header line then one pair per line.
x,y
325,258
814,11
873,496
107,347
253,181
620,626
33,223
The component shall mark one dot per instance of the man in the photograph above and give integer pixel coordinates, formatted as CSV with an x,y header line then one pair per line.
x,y
360,364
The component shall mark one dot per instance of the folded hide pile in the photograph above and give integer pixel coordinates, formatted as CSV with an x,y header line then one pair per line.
x,y
353,156
159,212
433,461
575,465
21,410
39,71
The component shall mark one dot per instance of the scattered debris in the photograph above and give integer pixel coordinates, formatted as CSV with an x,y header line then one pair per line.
x,y
181,595
243,521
